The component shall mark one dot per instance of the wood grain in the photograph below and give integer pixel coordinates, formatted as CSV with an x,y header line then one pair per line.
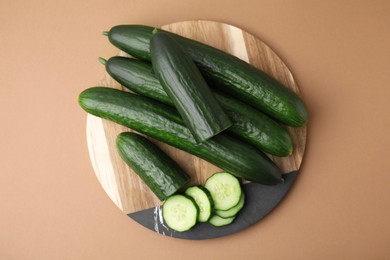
x,y
121,184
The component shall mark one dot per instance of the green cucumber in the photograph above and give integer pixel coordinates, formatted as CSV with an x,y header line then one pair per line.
x,y
187,88
136,75
219,222
203,199
163,123
228,72
255,127
159,172
180,212
225,189
249,123
233,211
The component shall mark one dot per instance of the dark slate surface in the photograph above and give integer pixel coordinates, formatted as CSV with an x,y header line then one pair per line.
x,y
260,200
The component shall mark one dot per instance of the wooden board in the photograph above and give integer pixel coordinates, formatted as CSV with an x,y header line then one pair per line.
x,y
122,185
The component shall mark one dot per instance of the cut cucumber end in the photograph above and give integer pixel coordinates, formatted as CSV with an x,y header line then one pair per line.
x,y
219,222
180,212
203,200
225,189
233,211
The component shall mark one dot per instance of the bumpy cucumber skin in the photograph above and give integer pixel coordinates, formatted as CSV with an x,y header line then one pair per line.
x,y
256,127
138,76
187,88
249,123
163,123
159,172
228,72
134,40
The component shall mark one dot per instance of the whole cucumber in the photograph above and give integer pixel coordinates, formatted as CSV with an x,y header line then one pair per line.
x,y
158,171
249,123
232,74
163,123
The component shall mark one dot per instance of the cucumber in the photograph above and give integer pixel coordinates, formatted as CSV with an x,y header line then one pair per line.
x,y
225,189
187,88
180,212
136,75
219,222
204,201
249,123
233,211
163,123
159,172
256,127
228,72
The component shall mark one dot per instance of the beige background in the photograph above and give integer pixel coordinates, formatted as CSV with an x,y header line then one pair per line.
x,y
51,204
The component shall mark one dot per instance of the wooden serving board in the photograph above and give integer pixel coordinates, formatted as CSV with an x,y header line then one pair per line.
x,y
122,185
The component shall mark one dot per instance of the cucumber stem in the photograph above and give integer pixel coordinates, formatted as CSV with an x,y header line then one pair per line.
x,y
155,30
102,60
105,33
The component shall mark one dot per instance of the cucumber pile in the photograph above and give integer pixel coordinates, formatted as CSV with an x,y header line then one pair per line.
x,y
249,124
201,100
217,202
187,88
225,71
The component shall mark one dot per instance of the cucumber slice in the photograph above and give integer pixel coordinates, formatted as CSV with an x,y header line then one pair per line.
x,y
225,190
204,201
219,222
233,211
180,212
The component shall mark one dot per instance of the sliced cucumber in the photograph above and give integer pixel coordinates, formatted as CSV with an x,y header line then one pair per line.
x,y
219,222
180,212
225,190
233,211
204,201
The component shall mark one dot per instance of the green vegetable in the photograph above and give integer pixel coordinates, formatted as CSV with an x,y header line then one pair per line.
x,y
225,189
163,123
219,222
187,88
180,212
233,211
256,127
136,75
203,199
228,72
159,172
248,123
